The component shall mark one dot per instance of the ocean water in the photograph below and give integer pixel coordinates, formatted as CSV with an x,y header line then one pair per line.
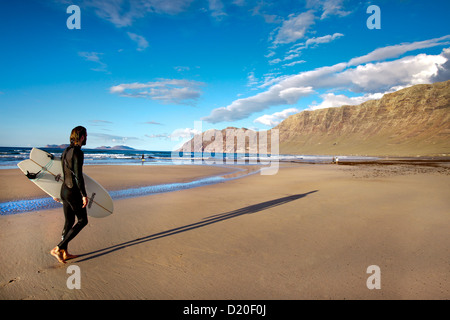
x,y
11,156
27,205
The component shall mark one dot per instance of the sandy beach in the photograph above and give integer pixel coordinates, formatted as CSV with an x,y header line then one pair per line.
x,y
308,232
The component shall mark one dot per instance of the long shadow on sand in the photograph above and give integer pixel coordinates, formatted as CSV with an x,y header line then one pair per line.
x,y
206,221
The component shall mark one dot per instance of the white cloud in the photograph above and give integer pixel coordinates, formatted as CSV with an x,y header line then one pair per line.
x,y
275,61
270,54
251,79
94,57
328,7
296,50
333,8
295,27
291,95
184,134
140,40
291,56
108,138
124,14
242,108
99,122
217,9
271,79
165,90
275,118
158,136
330,100
320,77
153,123
182,68
313,42
443,72
370,78
397,50
382,76
324,39
293,63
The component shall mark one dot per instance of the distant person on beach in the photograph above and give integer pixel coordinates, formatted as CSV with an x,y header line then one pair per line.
x,y
73,193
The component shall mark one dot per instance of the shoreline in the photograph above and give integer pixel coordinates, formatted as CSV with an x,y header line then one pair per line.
x,y
15,186
135,186
382,160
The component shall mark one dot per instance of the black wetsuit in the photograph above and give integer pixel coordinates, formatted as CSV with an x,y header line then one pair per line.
x,y
72,193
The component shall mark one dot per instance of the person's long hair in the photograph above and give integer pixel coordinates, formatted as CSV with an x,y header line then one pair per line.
x,y
76,134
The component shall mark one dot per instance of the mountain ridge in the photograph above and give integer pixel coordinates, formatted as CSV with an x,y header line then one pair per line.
x,y
413,121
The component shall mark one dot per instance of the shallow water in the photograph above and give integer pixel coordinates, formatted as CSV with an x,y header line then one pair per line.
x,y
21,206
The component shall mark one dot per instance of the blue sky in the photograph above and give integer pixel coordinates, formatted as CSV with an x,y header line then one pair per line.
x,y
141,73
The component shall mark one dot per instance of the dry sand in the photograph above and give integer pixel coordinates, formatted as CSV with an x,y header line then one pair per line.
x,y
308,232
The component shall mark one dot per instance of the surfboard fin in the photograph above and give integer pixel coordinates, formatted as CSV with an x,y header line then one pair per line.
x,y
31,175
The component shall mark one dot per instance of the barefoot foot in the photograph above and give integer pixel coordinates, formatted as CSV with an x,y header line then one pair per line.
x,y
58,254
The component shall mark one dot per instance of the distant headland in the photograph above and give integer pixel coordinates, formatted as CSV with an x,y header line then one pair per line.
x,y
116,148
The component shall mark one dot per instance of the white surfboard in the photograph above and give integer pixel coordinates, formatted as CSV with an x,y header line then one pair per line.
x,y
45,171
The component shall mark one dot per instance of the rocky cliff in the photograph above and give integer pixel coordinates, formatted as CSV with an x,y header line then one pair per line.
x,y
410,122
414,121
229,140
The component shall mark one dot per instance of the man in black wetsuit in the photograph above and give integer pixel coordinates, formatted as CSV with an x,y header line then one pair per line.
x,y
73,193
